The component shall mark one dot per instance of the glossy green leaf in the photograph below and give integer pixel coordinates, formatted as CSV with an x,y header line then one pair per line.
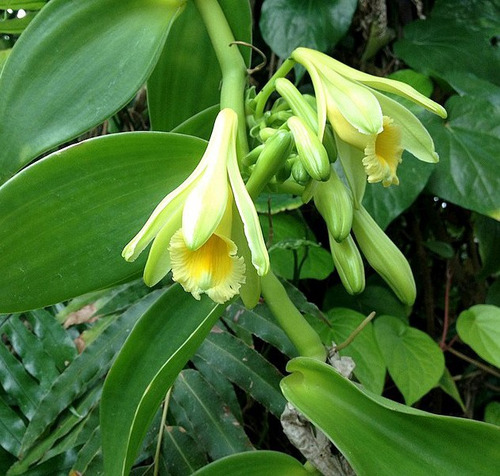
x,y
387,203
378,436
245,367
157,349
370,365
76,65
277,202
199,125
187,77
22,4
211,422
415,362
84,203
84,371
255,463
467,173
322,23
479,327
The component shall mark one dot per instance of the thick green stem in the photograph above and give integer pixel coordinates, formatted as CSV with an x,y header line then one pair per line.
x,y
302,335
232,65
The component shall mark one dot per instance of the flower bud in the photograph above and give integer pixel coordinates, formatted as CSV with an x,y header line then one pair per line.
x,y
310,149
334,202
384,256
348,263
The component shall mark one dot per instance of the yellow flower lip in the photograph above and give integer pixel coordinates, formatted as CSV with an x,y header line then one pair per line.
x,y
191,228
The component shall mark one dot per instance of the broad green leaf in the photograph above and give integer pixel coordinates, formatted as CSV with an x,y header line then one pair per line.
x,y
213,425
387,203
255,463
438,47
479,327
90,453
467,143
245,367
492,413
12,428
415,362
378,436
85,370
158,347
370,365
187,78
75,66
182,454
322,23
84,203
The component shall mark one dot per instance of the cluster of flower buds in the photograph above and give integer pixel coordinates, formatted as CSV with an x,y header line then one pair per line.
x,y
300,137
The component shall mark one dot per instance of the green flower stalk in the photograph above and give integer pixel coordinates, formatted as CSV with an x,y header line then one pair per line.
x,y
192,226
367,120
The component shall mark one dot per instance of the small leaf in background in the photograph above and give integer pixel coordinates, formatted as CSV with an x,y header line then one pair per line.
x,y
492,413
375,297
292,254
277,202
468,143
438,46
370,365
319,24
448,385
415,362
440,248
421,82
479,327
214,426
488,238
181,453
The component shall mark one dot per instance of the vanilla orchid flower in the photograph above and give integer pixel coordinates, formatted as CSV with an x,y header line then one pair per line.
x,y
364,118
191,228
